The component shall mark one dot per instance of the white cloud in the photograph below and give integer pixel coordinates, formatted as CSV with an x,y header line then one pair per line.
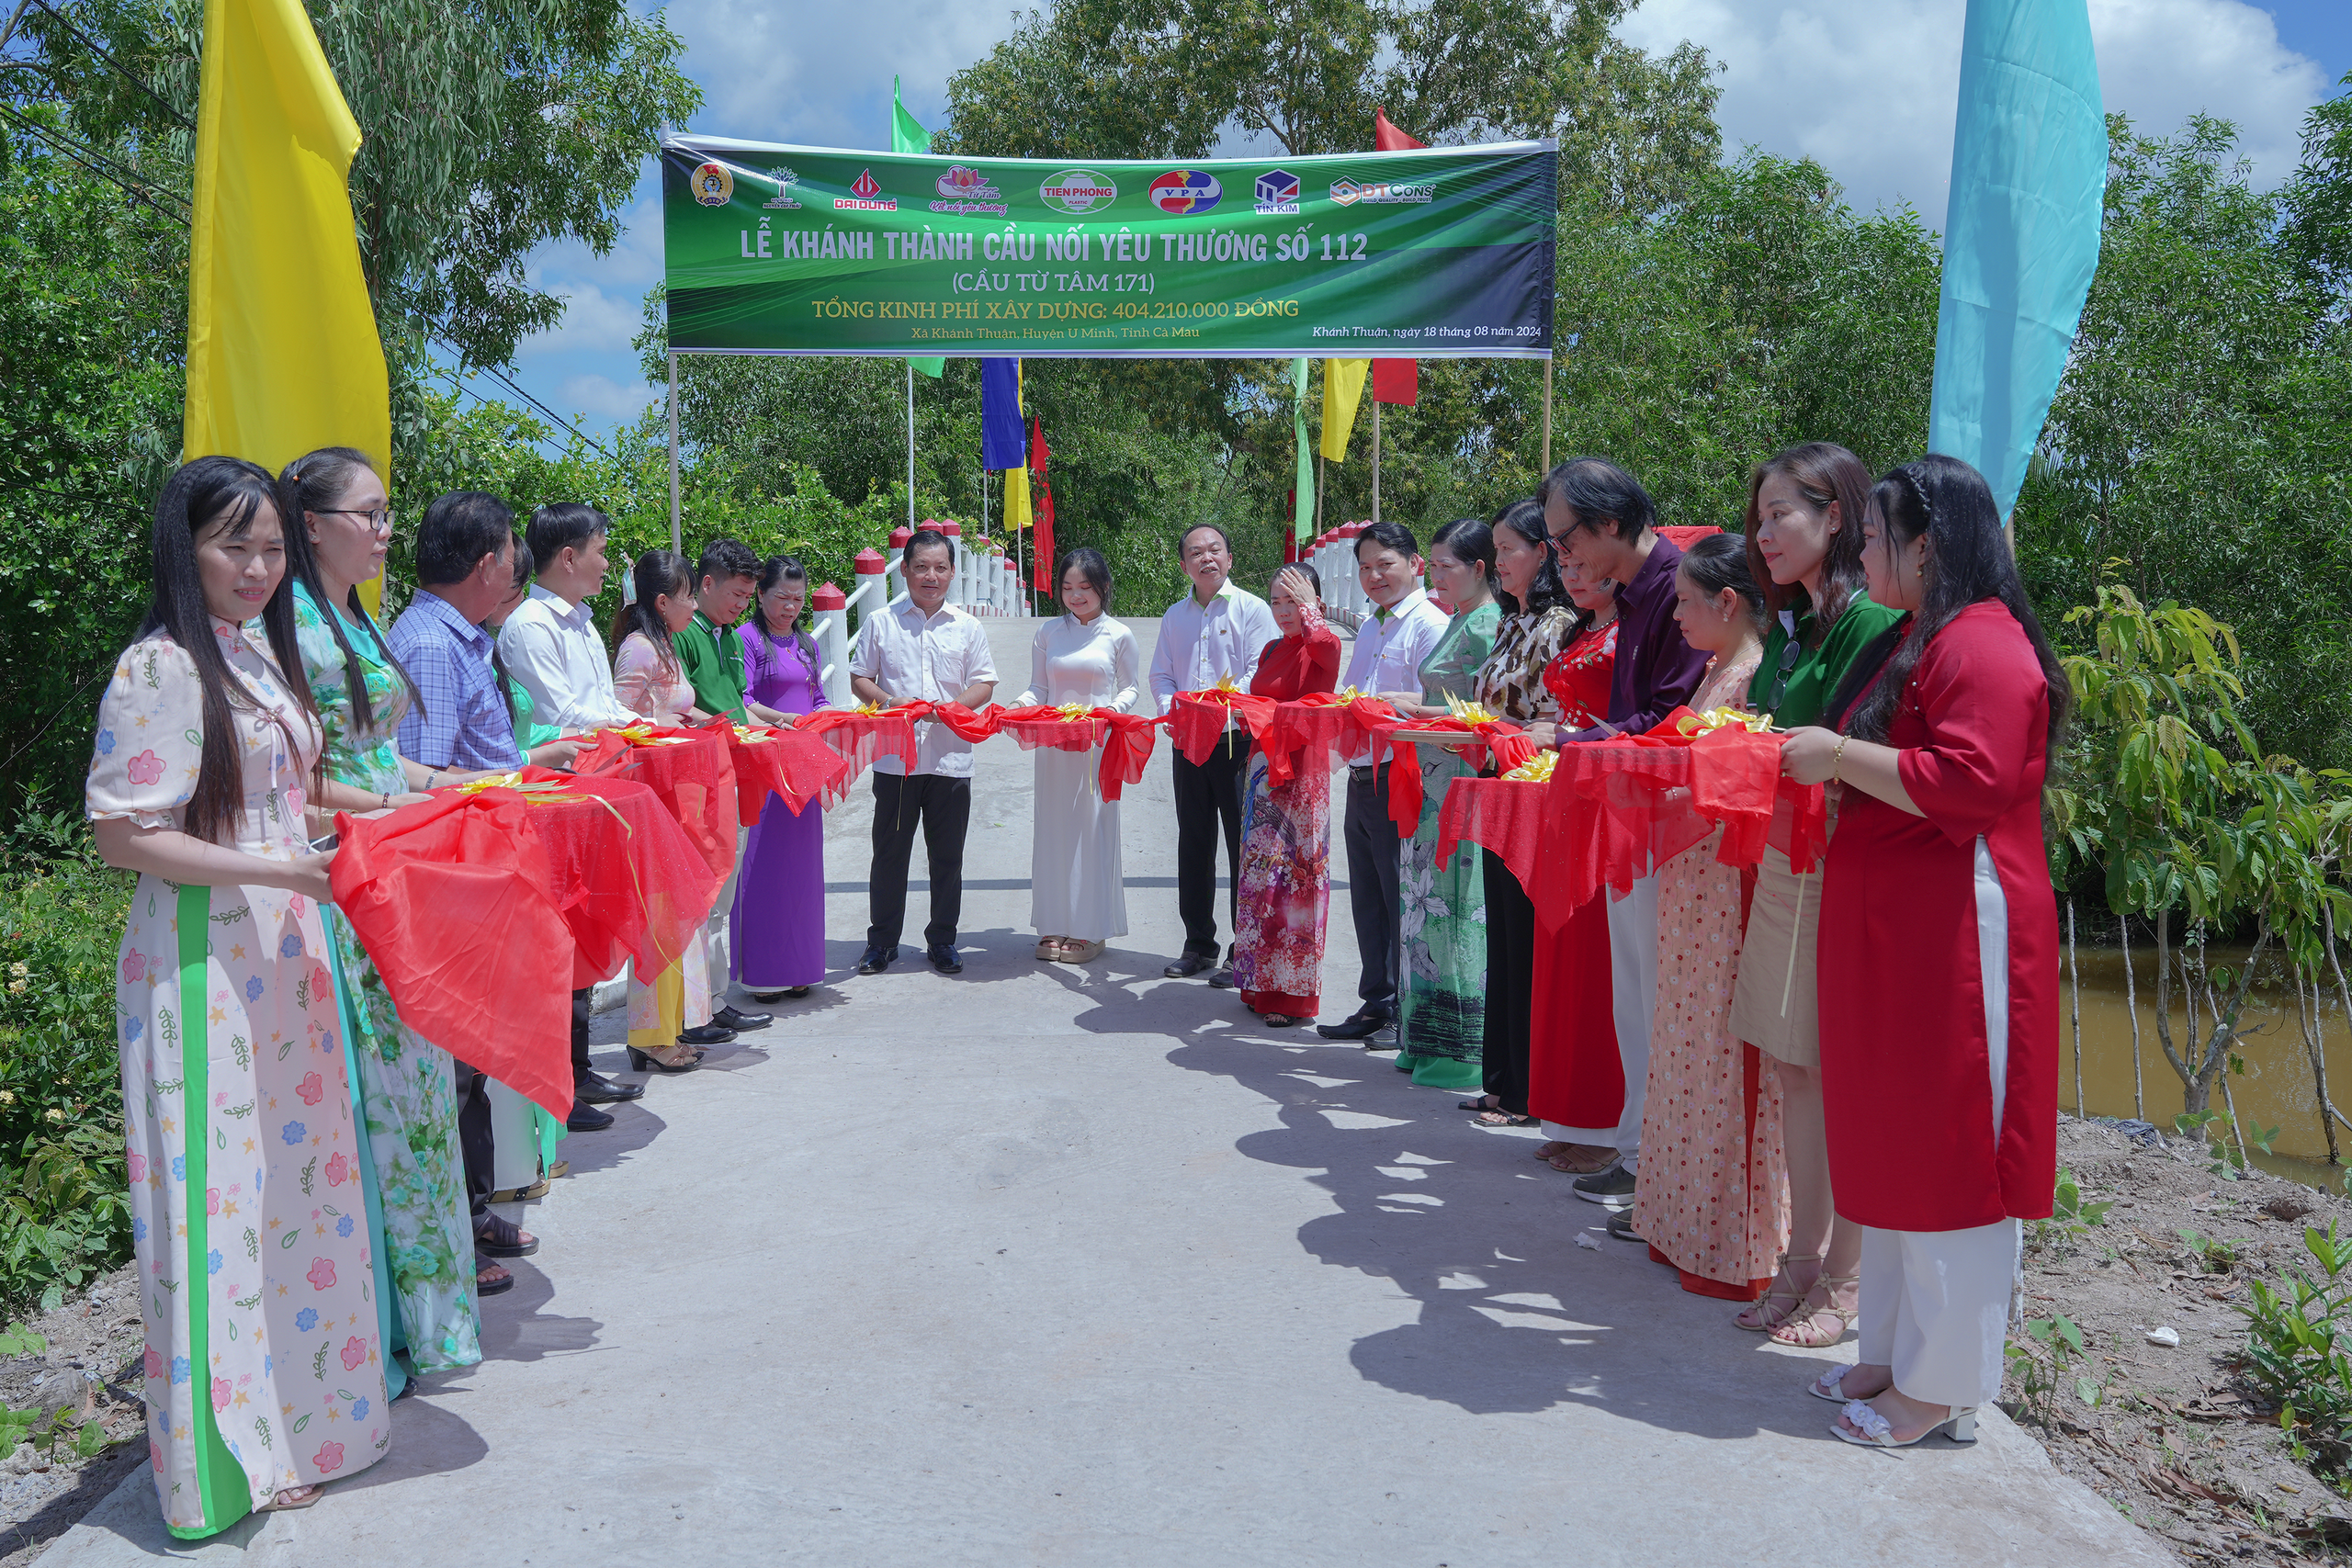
x,y
594,323
601,399
1869,87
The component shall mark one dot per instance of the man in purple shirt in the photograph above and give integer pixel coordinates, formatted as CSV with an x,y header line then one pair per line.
x,y
1603,523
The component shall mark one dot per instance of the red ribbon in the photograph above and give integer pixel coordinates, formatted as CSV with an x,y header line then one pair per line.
x,y
799,768
1126,739
1505,741
695,777
1198,720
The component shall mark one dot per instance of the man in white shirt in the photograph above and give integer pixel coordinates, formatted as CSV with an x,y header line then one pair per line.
x,y
550,644
1390,645
921,648
1213,633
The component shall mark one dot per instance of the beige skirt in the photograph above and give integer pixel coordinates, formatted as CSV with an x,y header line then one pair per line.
x,y
1774,1004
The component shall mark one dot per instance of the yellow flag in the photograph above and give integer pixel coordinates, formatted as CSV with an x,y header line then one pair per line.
x,y
1342,390
1016,500
282,351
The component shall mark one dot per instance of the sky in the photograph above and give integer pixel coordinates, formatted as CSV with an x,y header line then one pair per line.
x,y
1868,88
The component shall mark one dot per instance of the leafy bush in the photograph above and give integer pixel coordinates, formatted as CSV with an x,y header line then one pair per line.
x,y
2296,1354
64,1216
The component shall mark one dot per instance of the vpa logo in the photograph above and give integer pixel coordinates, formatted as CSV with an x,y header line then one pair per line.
x,y
1277,192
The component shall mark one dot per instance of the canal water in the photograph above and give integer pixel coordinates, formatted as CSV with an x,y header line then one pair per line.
x,y
2275,1090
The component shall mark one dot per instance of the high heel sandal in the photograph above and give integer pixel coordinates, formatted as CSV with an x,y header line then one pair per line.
x,y
1959,1426
1798,1328
647,1062
1763,1316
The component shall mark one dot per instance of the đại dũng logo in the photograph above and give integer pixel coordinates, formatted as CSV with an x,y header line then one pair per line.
x,y
865,196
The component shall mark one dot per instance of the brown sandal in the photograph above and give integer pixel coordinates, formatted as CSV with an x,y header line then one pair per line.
x,y
1803,1326
1568,1167
1763,1314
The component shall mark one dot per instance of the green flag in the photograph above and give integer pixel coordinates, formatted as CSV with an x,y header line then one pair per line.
x,y
1302,512
907,135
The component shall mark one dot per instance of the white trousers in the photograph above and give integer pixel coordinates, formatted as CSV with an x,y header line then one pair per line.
x,y
1633,1002
1633,993
1935,1304
714,933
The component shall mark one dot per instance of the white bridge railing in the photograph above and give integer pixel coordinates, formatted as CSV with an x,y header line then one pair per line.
x,y
985,584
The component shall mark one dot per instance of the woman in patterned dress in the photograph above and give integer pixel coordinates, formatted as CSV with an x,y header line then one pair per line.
x,y
1537,623
648,679
1572,1060
407,1090
1440,1026
1286,829
265,1364
1712,1197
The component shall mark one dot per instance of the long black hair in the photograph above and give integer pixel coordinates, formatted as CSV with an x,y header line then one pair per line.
x,y
1525,518
657,572
774,573
315,482
1970,561
1090,564
231,494
1824,474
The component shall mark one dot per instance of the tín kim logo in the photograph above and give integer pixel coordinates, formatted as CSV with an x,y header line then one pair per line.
x,y
713,184
865,196
1077,190
1277,192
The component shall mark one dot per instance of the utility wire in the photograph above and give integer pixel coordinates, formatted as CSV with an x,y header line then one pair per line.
x,y
112,63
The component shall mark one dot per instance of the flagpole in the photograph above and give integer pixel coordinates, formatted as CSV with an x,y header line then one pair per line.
x,y
1319,492
1375,454
910,444
676,538
1547,415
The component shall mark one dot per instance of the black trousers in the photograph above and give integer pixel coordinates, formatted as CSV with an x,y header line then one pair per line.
x,y
942,807
1205,796
1510,983
1374,863
473,1137
582,1004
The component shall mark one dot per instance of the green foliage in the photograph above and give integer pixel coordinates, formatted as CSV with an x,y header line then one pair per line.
x,y
2213,1254
1170,78
2044,1362
487,129
2070,1215
2296,1353
64,1216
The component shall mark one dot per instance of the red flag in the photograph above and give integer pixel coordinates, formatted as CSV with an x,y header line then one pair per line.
x,y
1044,514
1396,381
1386,138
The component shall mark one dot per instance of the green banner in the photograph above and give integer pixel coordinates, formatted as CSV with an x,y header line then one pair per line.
x,y
1437,252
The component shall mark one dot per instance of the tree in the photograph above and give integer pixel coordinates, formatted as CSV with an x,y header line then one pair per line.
x,y
489,129
1168,78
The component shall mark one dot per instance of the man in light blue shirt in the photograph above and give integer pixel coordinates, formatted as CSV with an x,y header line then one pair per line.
x,y
1214,633
1390,645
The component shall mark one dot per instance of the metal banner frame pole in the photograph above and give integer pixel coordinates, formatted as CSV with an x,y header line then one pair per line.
x,y
676,537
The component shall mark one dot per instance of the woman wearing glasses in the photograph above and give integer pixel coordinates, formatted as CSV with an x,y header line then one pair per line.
x,y
338,527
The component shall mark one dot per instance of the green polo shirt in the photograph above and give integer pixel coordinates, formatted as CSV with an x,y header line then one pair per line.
x,y
714,662
1799,696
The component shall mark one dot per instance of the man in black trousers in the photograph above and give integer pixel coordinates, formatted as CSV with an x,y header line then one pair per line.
x,y
1214,633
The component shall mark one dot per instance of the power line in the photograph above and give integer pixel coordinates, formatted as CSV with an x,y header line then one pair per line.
x,y
99,164
112,63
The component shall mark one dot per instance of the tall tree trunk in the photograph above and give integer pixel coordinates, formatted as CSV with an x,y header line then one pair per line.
x,y
2131,1006
2193,1093
2313,1023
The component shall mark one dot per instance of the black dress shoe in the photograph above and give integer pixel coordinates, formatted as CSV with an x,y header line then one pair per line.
x,y
741,1022
943,958
598,1089
1222,979
1192,964
876,959
586,1117
706,1034
1362,1026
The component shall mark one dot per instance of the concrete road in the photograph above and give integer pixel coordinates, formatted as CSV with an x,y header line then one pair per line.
x,y
1035,1265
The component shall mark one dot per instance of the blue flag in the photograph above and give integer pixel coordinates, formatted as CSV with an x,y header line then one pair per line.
x,y
1004,436
2029,176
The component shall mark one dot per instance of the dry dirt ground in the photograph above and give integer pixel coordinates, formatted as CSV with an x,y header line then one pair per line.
x,y
90,1368
2177,1437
